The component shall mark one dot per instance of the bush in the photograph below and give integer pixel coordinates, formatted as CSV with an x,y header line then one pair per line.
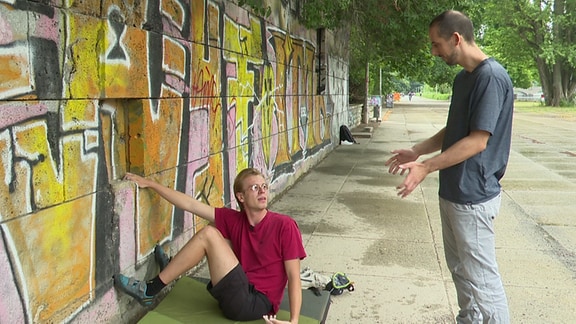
x,y
436,96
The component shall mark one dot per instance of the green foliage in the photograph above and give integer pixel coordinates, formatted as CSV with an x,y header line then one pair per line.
x,y
329,14
390,34
535,40
440,73
496,37
258,6
436,95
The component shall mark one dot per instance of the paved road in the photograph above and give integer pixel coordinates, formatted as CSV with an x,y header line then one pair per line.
x,y
352,221
537,233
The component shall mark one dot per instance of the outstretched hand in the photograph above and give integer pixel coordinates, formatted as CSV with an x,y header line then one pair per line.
x,y
140,181
271,319
400,157
416,173
405,160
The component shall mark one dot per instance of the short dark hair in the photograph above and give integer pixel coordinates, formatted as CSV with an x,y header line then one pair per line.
x,y
451,21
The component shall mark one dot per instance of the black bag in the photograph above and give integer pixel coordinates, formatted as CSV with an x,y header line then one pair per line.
x,y
346,135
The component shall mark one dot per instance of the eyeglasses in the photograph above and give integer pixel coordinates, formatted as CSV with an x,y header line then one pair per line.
x,y
257,188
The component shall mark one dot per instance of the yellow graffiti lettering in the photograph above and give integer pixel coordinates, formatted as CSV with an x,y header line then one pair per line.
x,y
31,144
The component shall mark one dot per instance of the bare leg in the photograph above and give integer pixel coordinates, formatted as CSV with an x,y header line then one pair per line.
x,y
208,242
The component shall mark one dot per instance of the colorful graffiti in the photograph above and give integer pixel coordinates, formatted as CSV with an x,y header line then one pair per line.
x,y
187,92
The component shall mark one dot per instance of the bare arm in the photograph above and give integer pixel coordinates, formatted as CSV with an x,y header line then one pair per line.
x,y
403,156
294,288
294,294
460,151
430,145
177,198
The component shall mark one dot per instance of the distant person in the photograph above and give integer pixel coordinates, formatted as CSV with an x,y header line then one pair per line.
x,y
410,95
474,149
251,253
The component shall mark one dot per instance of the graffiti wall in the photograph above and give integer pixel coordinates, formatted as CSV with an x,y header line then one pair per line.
x,y
187,92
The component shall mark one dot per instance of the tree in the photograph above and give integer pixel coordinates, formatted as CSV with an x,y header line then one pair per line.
x,y
534,40
391,35
530,35
439,73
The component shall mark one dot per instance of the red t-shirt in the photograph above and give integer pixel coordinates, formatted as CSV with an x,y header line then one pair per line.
x,y
262,249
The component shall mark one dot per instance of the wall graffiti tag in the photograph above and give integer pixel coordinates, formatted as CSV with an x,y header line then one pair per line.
x,y
187,92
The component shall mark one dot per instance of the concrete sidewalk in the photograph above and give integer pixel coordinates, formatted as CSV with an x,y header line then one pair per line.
x,y
352,221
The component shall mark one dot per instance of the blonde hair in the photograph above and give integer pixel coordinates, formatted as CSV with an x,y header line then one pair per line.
x,y
239,182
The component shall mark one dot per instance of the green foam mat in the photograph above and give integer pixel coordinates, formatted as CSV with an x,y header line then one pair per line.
x,y
190,302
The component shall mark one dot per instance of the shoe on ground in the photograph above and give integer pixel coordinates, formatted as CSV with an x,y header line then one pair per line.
x,y
134,288
161,258
346,143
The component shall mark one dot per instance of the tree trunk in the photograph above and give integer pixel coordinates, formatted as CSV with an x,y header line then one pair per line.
x,y
545,79
365,109
556,85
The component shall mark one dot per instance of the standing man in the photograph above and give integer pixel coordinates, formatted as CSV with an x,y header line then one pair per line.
x,y
251,253
474,148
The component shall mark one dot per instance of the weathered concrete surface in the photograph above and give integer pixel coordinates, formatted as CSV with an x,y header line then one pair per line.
x,y
352,221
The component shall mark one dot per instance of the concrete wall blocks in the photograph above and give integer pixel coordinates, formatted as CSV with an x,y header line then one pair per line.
x,y
187,92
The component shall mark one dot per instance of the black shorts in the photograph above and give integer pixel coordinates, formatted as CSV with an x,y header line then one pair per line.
x,y
238,299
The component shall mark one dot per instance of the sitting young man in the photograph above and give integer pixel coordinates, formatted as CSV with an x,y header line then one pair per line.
x,y
251,253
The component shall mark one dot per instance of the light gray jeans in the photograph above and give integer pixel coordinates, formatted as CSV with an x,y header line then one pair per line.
x,y
469,247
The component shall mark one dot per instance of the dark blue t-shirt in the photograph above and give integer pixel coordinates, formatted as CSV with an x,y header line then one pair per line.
x,y
481,100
